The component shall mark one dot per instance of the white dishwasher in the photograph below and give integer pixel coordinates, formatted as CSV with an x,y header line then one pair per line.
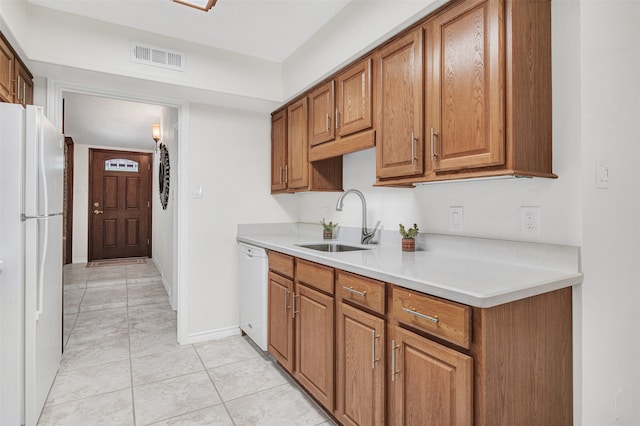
x,y
254,272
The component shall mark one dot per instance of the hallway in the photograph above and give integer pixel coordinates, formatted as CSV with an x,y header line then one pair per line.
x,y
122,366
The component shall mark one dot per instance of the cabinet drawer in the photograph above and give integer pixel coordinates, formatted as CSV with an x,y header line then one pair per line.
x,y
314,275
362,291
281,263
448,320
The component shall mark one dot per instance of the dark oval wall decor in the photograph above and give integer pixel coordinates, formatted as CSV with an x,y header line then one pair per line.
x,y
163,176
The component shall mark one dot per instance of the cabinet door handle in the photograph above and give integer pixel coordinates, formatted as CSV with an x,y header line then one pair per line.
x,y
286,173
327,123
354,291
337,122
373,349
293,304
413,148
419,315
433,145
393,360
285,301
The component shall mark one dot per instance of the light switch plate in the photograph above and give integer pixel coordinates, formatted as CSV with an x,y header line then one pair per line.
x,y
602,174
456,218
197,191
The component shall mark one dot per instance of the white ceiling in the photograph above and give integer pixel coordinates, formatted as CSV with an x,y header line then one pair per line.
x,y
92,120
269,29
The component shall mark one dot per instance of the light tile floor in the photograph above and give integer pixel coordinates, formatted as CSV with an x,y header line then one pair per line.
x,y
122,365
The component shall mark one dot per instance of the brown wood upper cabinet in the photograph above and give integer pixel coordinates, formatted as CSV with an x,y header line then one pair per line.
x,y
24,85
399,140
7,70
16,81
488,90
465,78
279,151
290,167
341,113
321,123
297,163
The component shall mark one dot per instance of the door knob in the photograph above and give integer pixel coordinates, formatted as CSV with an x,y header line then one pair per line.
x,y
98,212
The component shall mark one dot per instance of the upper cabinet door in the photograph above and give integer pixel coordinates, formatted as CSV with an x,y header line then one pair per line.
x,y
321,110
354,107
399,150
297,170
7,59
465,91
278,151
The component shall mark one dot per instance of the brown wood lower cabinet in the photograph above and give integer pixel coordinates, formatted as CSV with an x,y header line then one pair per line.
x,y
431,384
360,369
280,329
315,343
373,363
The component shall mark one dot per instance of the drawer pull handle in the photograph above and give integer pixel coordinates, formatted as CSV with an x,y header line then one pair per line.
x,y
354,291
419,315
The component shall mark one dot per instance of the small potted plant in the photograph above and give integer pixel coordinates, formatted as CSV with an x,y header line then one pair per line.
x,y
408,237
327,229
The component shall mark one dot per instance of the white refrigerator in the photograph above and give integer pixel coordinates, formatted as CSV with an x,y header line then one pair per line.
x,y
31,200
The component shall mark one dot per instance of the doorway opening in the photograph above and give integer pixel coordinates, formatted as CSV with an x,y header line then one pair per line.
x,y
120,188
92,105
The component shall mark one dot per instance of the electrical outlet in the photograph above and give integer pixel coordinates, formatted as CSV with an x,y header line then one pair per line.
x,y
530,220
456,218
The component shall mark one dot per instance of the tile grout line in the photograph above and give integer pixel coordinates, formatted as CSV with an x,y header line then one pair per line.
x,y
206,370
133,399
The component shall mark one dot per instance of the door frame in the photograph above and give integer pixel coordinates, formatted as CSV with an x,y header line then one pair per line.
x,y
69,169
90,197
125,90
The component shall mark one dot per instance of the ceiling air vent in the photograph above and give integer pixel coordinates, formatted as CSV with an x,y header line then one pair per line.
x,y
157,57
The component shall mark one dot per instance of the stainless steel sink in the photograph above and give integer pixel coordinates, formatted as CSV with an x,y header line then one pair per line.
x,y
331,247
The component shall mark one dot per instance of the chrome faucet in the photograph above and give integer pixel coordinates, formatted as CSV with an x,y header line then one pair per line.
x,y
366,234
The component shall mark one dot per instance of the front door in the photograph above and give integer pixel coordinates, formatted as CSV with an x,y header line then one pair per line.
x,y
119,204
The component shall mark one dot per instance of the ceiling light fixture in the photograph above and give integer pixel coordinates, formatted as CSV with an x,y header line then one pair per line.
x,y
198,4
155,132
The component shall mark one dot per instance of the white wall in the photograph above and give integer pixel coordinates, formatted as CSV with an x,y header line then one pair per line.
x,y
164,241
359,27
229,153
491,208
611,294
81,198
60,38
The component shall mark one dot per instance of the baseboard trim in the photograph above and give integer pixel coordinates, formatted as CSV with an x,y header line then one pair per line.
x,y
204,336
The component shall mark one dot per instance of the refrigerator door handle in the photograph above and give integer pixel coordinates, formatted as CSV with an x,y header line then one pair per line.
x,y
43,257
41,165
24,217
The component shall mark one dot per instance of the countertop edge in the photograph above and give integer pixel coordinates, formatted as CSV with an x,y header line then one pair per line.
x,y
563,279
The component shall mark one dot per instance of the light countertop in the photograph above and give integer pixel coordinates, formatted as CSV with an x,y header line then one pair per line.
x,y
474,271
